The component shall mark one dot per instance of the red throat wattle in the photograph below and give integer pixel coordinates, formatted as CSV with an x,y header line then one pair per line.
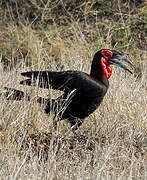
x,y
106,68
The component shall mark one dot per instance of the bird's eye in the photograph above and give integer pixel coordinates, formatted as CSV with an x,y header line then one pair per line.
x,y
107,54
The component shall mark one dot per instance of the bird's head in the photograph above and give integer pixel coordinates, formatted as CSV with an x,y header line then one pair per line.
x,y
112,57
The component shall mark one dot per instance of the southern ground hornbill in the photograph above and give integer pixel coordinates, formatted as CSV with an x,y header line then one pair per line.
x,y
83,93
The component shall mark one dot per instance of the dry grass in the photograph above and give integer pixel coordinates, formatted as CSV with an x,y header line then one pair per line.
x,y
112,143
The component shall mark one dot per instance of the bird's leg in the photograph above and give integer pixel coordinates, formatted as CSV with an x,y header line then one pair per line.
x,y
53,105
75,124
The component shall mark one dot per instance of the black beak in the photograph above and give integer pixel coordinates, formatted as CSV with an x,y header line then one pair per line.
x,y
118,56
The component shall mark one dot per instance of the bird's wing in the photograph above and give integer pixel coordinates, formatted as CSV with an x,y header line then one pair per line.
x,y
66,81
46,79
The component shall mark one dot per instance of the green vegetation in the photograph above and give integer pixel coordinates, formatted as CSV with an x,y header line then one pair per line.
x,y
61,35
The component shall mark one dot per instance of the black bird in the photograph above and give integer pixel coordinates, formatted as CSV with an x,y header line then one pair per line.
x,y
82,93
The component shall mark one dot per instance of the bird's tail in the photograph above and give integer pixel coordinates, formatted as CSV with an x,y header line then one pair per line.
x,y
13,94
17,95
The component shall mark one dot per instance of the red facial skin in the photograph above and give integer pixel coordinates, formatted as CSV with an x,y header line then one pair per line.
x,y
105,64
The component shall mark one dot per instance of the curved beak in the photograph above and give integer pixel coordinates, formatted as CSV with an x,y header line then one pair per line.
x,y
118,56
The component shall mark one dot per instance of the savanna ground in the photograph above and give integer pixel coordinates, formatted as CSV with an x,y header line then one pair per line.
x,y
62,35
